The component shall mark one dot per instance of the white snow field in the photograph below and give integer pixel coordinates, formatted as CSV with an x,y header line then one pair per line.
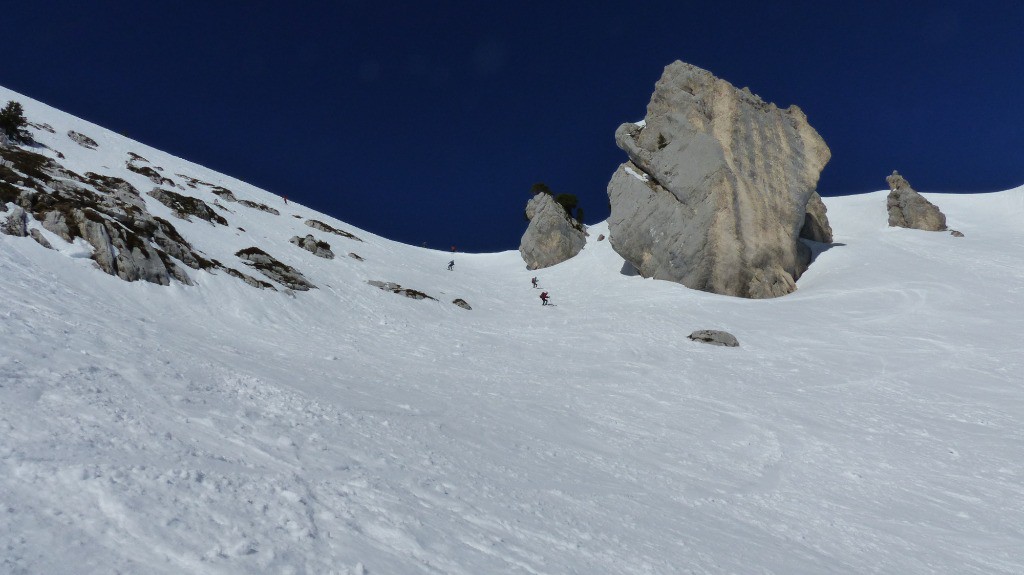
x,y
871,422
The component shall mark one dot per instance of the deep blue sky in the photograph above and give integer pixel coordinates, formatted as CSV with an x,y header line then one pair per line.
x,y
429,121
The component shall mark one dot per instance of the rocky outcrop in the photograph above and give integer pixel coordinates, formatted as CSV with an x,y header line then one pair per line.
x,y
318,225
259,284
259,206
275,270
318,248
39,238
398,289
16,223
147,171
552,236
816,227
909,209
715,191
224,193
82,140
461,303
104,211
714,337
184,206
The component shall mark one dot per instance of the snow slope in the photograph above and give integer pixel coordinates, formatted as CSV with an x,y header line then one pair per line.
x,y
869,422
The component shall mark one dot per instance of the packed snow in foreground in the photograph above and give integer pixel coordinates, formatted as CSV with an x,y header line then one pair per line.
x,y
869,422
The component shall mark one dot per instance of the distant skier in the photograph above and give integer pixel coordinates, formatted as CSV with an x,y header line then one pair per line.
x,y
451,264
285,198
544,297
534,280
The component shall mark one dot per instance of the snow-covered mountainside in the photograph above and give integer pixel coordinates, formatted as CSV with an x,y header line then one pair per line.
x,y
869,422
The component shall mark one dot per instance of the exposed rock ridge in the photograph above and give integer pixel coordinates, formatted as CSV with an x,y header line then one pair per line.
x,y
715,191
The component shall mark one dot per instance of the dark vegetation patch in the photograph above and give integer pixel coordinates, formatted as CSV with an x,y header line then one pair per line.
x,y
259,206
398,289
185,206
31,164
318,225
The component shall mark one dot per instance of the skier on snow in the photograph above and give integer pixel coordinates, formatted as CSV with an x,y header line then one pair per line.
x,y
544,297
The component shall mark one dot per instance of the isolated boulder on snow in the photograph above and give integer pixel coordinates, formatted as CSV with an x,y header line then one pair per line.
x,y
714,194
714,337
909,209
552,236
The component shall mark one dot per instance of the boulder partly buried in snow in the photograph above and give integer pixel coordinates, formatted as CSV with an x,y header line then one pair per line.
x,y
318,248
714,337
398,289
909,209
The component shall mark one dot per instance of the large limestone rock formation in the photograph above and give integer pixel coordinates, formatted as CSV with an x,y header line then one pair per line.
x,y
552,236
715,191
909,209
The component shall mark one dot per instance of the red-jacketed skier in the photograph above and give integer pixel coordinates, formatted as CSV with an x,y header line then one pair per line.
x,y
544,297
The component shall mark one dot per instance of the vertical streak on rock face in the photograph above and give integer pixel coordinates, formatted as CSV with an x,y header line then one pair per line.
x,y
715,191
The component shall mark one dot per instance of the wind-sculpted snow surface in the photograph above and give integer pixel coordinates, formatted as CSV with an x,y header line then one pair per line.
x,y
223,429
